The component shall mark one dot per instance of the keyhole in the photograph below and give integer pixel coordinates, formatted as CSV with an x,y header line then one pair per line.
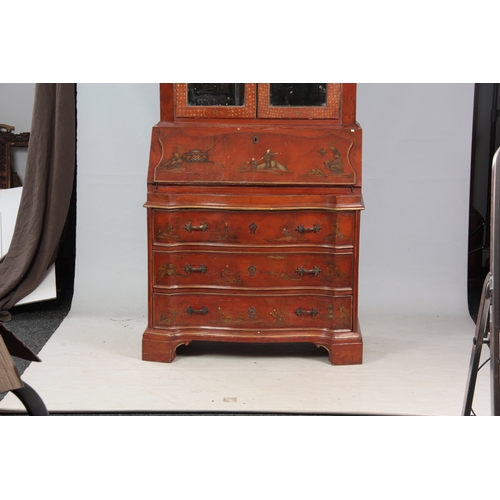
x,y
255,139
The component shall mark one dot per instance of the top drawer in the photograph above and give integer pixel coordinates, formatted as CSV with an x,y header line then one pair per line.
x,y
255,156
253,228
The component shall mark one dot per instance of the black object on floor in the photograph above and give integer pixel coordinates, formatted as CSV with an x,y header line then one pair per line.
x,y
31,401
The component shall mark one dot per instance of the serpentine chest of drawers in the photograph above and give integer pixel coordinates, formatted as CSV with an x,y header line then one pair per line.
x,y
253,207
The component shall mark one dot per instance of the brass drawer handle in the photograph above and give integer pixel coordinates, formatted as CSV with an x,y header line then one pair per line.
x,y
190,310
202,269
301,229
315,271
202,227
300,312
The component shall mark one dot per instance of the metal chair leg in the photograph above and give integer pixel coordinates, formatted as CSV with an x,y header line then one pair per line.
x,y
481,336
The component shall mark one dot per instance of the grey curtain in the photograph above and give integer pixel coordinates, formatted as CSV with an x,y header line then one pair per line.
x,y
48,184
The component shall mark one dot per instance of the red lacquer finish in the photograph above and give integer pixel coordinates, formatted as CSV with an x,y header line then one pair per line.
x,y
253,224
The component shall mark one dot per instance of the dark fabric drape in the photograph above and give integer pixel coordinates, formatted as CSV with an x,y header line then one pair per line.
x,y
45,200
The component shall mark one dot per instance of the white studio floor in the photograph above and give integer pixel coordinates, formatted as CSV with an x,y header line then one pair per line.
x,y
412,366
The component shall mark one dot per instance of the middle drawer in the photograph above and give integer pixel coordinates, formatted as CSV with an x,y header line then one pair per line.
x,y
252,269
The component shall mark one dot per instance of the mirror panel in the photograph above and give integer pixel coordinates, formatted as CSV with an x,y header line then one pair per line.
x,y
299,101
297,94
215,94
215,100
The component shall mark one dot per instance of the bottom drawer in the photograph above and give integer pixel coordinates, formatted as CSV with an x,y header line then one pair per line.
x,y
252,311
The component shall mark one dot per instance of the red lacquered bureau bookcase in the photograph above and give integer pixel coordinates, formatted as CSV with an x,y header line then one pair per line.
x,y
253,208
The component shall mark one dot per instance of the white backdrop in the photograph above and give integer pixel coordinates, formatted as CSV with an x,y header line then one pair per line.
x,y
416,177
114,132
416,173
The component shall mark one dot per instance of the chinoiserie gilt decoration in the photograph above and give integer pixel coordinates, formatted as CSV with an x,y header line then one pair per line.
x,y
253,208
